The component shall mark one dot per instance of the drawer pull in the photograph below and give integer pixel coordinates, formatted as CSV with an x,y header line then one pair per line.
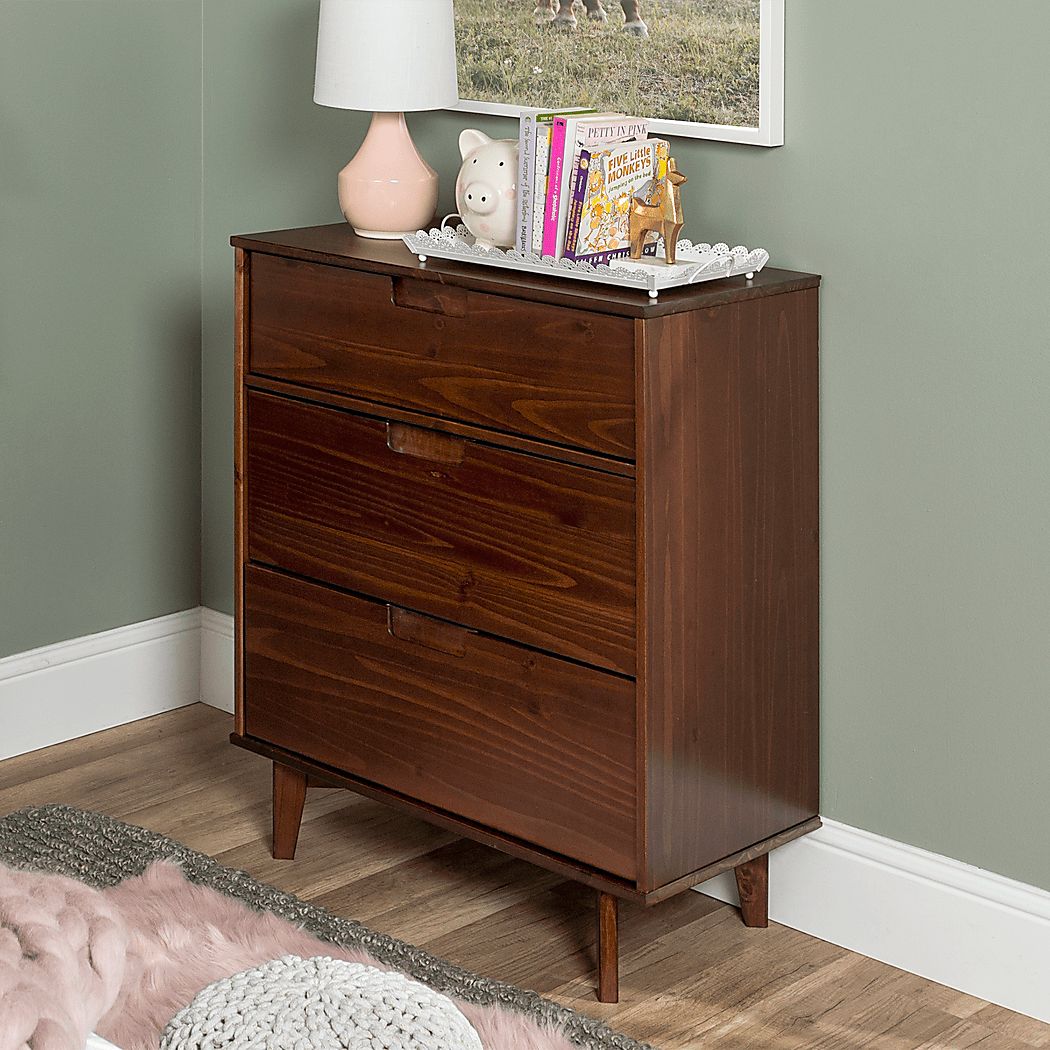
x,y
429,297
426,631
424,444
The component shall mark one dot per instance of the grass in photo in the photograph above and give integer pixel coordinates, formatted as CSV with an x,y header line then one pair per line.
x,y
700,61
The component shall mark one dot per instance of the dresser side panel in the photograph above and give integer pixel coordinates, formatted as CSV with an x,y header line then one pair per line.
x,y
728,653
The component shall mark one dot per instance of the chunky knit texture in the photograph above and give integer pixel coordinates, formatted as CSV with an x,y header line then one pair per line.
x,y
319,1004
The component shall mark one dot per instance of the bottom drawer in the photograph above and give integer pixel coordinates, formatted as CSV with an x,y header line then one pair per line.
x,y
534,746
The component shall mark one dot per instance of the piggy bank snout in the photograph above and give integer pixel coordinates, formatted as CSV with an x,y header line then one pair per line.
x,y
480,198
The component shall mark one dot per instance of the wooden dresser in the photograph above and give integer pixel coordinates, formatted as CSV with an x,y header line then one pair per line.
x,y
533,559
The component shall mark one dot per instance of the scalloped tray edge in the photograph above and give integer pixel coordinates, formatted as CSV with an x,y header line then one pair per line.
x,y
695,263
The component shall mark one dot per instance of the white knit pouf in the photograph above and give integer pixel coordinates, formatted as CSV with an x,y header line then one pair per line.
x,y
319,1004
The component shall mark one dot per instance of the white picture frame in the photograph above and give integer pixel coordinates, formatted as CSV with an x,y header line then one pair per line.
x,y
770,130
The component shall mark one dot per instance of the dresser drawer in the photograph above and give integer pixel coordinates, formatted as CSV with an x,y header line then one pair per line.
x,y
519,546
528,744
555,373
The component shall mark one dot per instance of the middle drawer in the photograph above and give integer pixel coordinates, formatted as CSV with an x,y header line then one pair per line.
x,y
522,547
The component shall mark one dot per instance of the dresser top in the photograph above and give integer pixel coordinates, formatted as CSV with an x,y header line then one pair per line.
x,y
338,245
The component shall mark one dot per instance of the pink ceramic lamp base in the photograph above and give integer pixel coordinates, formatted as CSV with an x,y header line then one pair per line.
x,y
388,189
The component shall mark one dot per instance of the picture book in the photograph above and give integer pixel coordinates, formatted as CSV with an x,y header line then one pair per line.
x,y
593,134
614,176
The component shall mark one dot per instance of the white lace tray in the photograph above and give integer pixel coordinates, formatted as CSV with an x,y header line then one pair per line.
x,y
695,262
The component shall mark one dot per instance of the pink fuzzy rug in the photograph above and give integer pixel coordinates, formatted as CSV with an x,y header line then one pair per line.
x,y
123,961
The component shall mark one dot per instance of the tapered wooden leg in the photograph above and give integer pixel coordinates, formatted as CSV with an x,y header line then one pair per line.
x,y
752,883
289,794
608,950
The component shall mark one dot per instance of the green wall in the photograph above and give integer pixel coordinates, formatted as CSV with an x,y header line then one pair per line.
x,y
270,157
99,315
914,179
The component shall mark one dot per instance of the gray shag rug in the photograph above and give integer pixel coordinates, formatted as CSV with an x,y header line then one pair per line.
x,y
101,851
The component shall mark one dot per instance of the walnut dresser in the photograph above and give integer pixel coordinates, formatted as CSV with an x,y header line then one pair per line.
x,y
532,559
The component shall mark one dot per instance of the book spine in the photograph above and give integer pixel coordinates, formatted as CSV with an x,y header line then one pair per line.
x,y
525,156
579,192
550,216
568,171
539,185
529,191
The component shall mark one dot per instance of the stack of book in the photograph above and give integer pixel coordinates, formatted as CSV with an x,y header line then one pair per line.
x,y
578,171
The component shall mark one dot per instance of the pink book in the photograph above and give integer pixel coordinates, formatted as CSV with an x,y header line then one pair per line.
x,y
554,179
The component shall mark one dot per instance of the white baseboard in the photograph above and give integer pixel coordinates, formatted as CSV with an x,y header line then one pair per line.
x,y
74,688
952,923
217,659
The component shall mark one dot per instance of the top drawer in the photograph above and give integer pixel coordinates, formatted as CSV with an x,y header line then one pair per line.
x,y
549,372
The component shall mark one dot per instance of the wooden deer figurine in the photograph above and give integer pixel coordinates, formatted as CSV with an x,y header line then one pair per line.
x,y
664,216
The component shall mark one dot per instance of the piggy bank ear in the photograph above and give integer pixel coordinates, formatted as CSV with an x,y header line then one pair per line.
x,y
470,139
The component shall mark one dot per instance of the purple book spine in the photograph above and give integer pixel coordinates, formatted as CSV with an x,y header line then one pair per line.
x,y
579,192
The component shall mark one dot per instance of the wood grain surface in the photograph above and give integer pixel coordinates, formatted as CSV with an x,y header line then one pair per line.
x,y
289,796
562,865
608,948
522,742
529,549
752,885
563,375
392,413
691,975
728,595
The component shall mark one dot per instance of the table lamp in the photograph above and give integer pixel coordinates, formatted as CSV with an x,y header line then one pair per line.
x,y
388,57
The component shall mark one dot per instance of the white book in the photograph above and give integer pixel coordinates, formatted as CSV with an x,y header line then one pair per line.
x,y
526,168
542,161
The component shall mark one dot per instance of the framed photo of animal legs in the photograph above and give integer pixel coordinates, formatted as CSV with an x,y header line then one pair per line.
x,y
711,69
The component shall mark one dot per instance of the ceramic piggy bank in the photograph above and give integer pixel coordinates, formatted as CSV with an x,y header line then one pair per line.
x,y
486,190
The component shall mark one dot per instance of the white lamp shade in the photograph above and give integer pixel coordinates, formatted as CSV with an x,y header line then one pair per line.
x,y
387,56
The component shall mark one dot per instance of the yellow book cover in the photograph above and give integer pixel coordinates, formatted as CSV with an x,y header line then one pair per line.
x,y
614,177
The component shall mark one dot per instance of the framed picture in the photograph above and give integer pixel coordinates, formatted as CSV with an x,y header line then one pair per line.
x,y
711,69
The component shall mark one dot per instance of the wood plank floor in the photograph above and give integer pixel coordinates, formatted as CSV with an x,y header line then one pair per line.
x,y
691,974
